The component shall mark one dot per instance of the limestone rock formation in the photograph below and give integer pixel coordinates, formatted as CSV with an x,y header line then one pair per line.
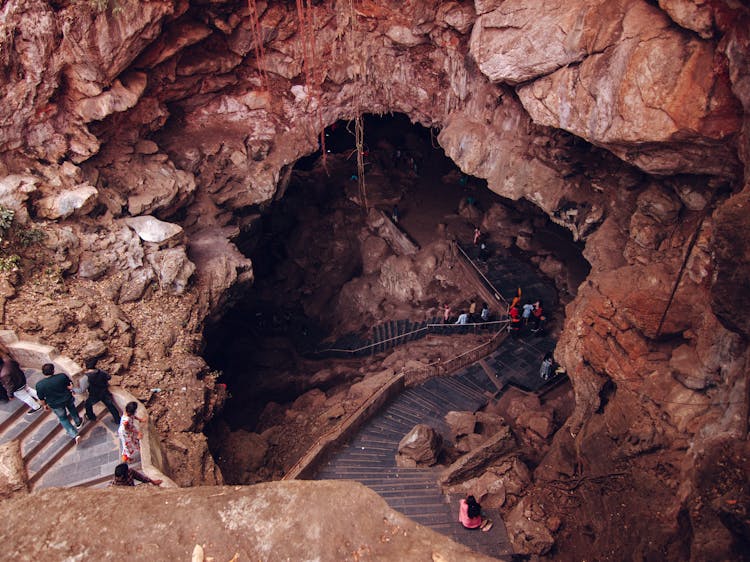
x,y
627,88
626,122
419,447
12,471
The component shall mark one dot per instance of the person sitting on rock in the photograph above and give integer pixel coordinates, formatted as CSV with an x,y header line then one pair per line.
x,y
470,515
463,318
126,476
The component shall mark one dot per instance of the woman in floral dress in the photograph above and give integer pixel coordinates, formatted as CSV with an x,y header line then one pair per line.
x,y
130,435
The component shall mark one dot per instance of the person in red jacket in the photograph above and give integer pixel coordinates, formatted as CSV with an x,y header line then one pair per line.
x,y
515,320
537,316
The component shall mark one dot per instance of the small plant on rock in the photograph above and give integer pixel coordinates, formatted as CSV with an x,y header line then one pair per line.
x,y
10,263
13,239
29,236
6,219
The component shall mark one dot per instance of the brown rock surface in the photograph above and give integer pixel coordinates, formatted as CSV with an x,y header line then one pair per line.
x,y
265,521
474,462
12,469
419,447
165,108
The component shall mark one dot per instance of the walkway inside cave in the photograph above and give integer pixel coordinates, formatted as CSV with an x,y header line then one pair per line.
x,y
370,457
305,247
264,340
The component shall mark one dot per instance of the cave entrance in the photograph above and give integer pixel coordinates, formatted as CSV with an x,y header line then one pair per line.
x,y
317,266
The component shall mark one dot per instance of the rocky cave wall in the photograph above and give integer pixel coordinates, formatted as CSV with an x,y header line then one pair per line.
x,y
633,114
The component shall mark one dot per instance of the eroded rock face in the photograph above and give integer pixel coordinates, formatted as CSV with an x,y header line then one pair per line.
x,y
625,82
625,121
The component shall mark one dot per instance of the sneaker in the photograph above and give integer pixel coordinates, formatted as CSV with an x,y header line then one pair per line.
x,y
34,411
77,439
80,423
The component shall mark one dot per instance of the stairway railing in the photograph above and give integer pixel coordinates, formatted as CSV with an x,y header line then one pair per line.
x,y
306,466
495,291
433,328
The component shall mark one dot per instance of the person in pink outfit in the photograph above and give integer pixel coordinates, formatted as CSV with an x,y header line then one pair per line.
x,y
470,515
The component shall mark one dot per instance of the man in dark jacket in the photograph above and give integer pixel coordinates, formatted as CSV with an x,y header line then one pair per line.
x,y
55,391
98,386
13,381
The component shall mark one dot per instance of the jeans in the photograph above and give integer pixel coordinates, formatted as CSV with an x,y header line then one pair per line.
x,y
107,401
62,414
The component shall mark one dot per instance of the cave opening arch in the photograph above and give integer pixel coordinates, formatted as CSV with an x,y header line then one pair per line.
x,y
315,257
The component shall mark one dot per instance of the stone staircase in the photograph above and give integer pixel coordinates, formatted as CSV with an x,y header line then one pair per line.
x,y
370,457
506,273
51,457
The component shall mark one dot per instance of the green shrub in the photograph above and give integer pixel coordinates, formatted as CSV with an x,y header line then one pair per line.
x,y
29,236
10,263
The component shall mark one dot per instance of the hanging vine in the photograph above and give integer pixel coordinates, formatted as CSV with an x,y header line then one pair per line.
x,y
359,136
313,79
359,128
260,55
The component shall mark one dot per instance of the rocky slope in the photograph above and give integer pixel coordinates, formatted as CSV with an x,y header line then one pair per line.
x,y
137,139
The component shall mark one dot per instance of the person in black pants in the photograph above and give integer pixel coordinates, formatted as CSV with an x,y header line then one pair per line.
x,y
98,387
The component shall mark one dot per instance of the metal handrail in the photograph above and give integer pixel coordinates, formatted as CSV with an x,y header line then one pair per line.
x,y
425,328
333,435
497,293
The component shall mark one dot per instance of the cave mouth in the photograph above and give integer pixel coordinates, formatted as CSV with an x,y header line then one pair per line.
x,y
313,241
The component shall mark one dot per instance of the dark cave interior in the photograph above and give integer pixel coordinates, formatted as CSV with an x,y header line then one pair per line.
x,y
304,248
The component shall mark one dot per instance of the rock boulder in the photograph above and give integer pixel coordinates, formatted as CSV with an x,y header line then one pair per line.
x,y
419,447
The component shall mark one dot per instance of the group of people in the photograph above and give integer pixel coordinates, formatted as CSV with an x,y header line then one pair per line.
x,y
467,316
530,315
56,392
